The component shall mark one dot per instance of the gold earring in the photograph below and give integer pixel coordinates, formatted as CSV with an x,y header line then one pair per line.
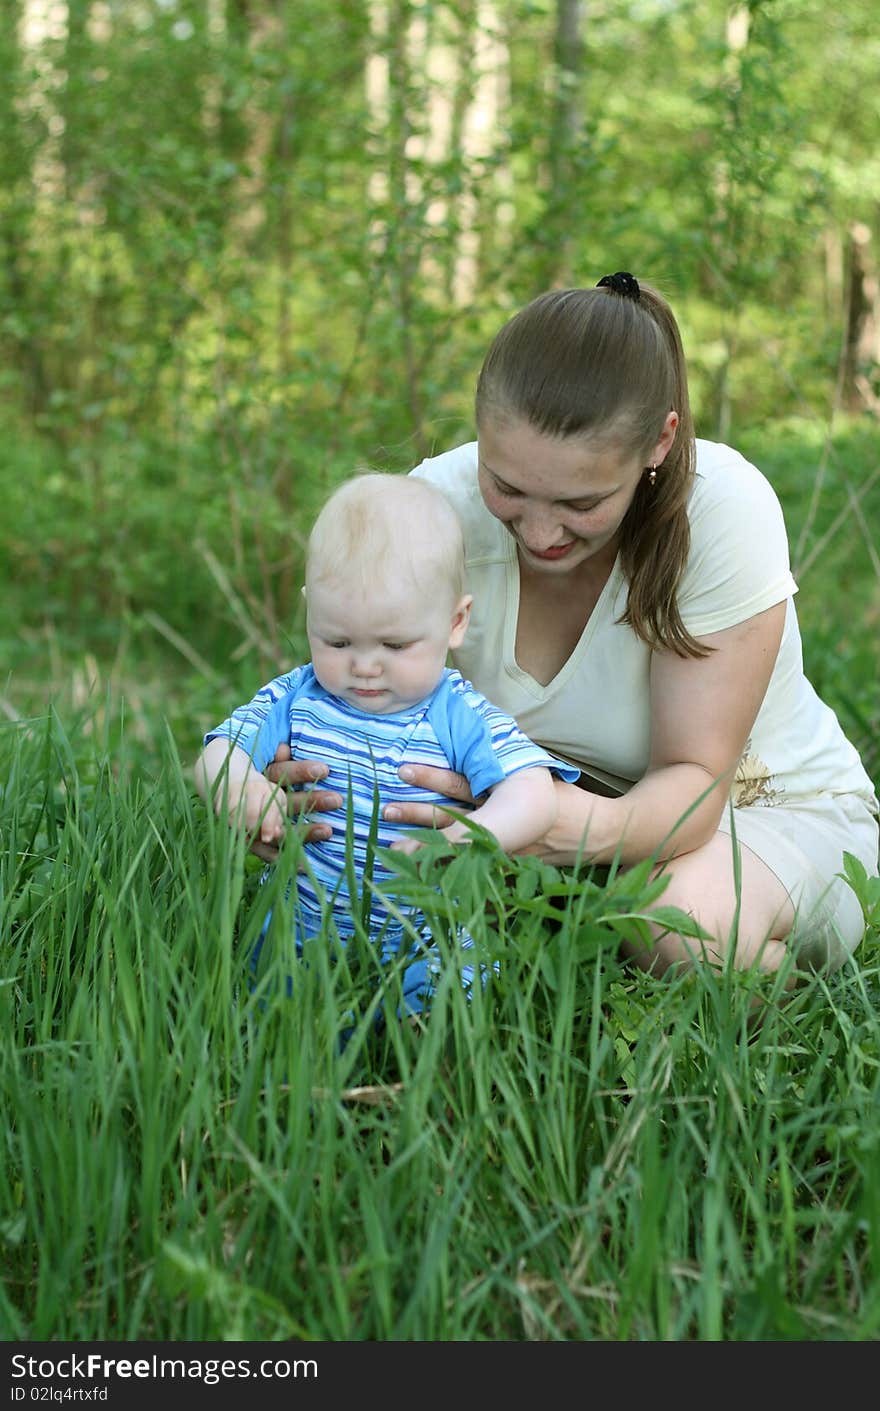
x,y
652,476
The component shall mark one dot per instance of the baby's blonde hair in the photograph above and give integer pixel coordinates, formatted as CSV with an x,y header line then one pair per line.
x,y
375,525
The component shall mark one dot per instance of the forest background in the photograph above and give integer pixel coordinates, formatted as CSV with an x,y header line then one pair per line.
x,y
247,247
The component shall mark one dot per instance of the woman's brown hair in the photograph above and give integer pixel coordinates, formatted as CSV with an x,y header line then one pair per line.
x,y
609,367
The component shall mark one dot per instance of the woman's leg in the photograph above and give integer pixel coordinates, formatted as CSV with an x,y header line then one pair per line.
x,y
754,918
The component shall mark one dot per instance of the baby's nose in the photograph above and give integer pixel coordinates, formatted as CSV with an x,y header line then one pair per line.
x,y
366,666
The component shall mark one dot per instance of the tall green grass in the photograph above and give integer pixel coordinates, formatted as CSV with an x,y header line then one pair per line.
x,y
578,1152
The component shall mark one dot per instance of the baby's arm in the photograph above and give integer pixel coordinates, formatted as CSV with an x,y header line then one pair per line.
x,y
225,775
518,811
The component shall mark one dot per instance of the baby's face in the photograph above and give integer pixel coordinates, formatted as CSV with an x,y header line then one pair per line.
x,y
386,651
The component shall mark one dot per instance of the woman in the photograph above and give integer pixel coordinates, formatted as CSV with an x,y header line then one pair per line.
x,y
633,609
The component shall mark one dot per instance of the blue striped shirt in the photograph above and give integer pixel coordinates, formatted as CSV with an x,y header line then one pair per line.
x,y
453,728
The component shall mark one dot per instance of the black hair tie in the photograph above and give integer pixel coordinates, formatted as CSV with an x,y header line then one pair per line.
x,y
626,285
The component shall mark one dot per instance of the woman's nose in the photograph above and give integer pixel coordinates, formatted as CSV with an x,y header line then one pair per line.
x,y
539,531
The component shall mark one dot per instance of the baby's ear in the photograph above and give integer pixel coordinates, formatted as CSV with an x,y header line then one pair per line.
x,y
460,619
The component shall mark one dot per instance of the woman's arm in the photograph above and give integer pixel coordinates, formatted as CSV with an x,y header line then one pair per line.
x,y
702,712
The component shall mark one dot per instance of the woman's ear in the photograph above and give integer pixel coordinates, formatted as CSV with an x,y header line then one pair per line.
x,y
667,437
460,619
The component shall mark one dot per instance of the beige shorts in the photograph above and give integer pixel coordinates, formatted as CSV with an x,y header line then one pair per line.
x,y
803,844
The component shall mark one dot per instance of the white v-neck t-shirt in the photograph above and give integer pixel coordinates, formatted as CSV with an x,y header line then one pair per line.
x,y
596,711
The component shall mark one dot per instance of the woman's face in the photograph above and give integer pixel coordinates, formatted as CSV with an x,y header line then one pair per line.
x,y
562,499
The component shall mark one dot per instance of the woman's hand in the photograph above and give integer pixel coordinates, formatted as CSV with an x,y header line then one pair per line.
x,y
287,772
452,786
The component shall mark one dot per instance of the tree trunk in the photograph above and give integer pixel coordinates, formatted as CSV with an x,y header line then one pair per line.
x,y
402,254
77,48
16,178
861,346
565,141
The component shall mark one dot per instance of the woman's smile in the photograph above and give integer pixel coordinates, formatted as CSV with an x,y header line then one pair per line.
x,y
559,551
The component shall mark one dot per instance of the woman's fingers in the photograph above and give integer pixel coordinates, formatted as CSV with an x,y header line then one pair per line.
x,y
285,773
315,801
288,772
452,786
440,781
309,832
267,851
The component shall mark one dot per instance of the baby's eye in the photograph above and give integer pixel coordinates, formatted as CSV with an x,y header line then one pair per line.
x,y
337,646
396,646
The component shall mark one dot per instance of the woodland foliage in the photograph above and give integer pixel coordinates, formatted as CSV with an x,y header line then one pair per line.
x,y
247,246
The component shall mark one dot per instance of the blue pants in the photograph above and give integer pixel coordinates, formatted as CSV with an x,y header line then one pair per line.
x,y
418,980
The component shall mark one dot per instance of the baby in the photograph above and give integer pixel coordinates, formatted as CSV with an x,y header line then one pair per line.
x,y
385,602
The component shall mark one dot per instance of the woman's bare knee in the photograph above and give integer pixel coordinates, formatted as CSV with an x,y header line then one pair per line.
x,y
745,917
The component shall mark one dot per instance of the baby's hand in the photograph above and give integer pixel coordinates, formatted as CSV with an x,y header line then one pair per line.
x,y
407,845
258,810
453,833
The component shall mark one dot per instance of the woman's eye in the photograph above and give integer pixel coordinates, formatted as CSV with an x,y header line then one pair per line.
x,y
506,490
